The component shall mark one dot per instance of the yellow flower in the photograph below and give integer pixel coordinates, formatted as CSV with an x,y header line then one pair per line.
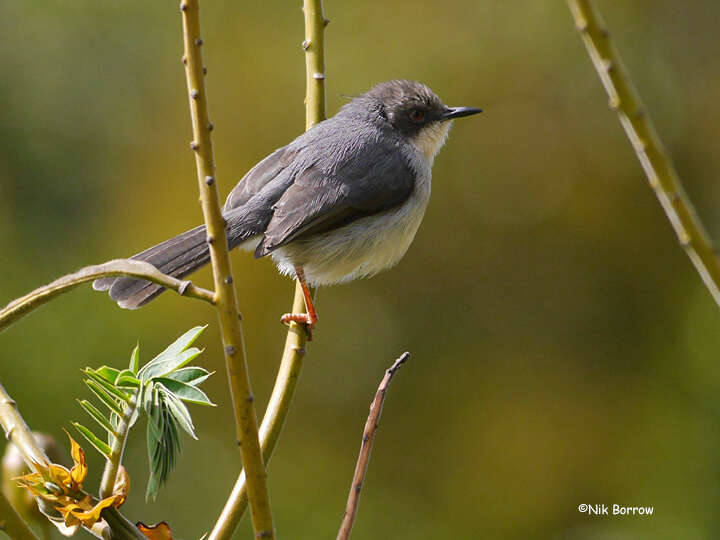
x,y
63,489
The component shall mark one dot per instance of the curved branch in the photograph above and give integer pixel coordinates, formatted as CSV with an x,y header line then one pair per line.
x,y
226,300
119,267
365,448
657,164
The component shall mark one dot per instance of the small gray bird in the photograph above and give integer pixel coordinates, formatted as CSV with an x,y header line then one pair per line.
x,y
342,201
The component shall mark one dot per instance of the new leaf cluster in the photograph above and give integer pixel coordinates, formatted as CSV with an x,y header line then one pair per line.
x,y
160,388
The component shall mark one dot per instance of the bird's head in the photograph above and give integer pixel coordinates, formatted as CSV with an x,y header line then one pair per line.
x,y
414,112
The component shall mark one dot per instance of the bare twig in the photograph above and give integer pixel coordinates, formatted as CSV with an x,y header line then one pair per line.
x,y
294,351
365,449
655,161
12,524
226,301
119,267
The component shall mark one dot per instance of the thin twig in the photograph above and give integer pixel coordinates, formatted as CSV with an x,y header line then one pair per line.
x,y
112,465
294,351
12,524
226,301
365,449
119,267
658,166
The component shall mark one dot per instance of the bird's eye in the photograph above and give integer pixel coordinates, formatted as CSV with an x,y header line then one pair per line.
x,y
417,116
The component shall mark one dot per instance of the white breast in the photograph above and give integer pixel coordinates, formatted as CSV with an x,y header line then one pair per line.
x,y
364,247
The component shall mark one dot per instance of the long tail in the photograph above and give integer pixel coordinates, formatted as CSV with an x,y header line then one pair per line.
x,y
177,257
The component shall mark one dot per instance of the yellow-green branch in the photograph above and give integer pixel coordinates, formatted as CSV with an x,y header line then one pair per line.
x,y
294,351
657,164
226,301
12,524
120,267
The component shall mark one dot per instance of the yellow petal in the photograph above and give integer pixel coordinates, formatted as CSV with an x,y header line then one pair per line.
x,y
79,470
61,476
161,531
92,516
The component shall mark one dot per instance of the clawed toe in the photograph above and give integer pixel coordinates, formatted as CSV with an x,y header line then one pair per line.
x,y
300,318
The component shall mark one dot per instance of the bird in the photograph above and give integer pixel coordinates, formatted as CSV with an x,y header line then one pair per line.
x,y
342,201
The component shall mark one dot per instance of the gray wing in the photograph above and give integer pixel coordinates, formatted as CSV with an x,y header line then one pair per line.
x,y
258,177
337,187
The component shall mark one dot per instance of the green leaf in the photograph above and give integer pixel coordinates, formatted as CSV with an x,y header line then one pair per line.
x,y
168,365
179,411
135,359
190,375
127,379
163,443
107,373
103,396
97,416
184,391
173,350
100,446
108,387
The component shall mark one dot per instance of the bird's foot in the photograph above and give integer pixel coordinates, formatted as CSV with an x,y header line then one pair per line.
x,y
301,318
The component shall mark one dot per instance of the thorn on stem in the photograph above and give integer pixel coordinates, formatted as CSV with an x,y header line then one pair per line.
x,y
183,6
184,59
229,280
194,145
306,44
204,70
318,76
183,287
210,239
230,350
326,22
250,398
198,41
194,94
209,180
210,126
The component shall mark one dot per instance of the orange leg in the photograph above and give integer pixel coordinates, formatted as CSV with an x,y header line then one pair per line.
x,y
308,319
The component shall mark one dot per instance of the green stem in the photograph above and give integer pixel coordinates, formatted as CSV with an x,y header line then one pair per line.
x,y
658,166
12,524
18,433
294,351
16,309
112,465
272,424
226,300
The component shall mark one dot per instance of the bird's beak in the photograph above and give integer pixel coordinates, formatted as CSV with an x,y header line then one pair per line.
x,y
457,112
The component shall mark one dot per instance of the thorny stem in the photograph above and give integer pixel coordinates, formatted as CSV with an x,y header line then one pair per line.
x,y
16,309
294,351
365,448
658,166
112,465
226,301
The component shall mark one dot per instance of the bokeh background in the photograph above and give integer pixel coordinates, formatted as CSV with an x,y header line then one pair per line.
x,y
564,349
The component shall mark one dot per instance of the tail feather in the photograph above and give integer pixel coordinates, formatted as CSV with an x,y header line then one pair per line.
x,y
176,257
184,254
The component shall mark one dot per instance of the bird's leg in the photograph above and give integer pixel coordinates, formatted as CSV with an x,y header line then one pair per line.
x,y
310,318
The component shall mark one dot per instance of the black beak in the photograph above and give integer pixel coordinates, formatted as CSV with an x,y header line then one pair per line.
x,y
457,112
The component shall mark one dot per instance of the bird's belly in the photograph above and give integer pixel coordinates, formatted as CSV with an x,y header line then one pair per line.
x,y
360,249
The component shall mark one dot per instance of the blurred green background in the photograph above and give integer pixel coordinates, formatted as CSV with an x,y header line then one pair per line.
x,y
564,349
